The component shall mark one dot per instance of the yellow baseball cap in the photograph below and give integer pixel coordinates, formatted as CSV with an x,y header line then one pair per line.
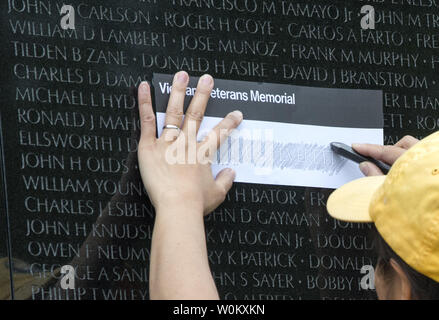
x,y
404,205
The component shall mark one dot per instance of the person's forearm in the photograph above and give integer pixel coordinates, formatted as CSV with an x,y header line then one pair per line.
x,y
182,191
179,263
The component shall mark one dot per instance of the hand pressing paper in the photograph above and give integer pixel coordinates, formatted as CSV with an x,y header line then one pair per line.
x,y
287,130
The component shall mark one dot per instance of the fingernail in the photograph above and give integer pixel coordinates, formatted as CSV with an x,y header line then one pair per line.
x,y
144,86
356,145
206,80
231,172
364,167
181,77
238,114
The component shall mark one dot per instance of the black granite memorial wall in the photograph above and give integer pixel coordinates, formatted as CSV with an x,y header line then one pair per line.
x,y
71,193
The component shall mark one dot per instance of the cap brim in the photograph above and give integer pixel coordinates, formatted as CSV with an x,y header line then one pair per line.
x,y
351,202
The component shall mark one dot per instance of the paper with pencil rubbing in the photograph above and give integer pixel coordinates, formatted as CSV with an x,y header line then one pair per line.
x,y
287,130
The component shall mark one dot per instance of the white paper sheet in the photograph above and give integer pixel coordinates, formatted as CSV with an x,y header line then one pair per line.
x,y
298,155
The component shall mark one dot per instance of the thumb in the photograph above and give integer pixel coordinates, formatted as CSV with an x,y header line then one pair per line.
x,y
225,178
369,169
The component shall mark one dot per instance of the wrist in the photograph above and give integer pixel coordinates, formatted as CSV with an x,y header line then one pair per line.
x,y
179,208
